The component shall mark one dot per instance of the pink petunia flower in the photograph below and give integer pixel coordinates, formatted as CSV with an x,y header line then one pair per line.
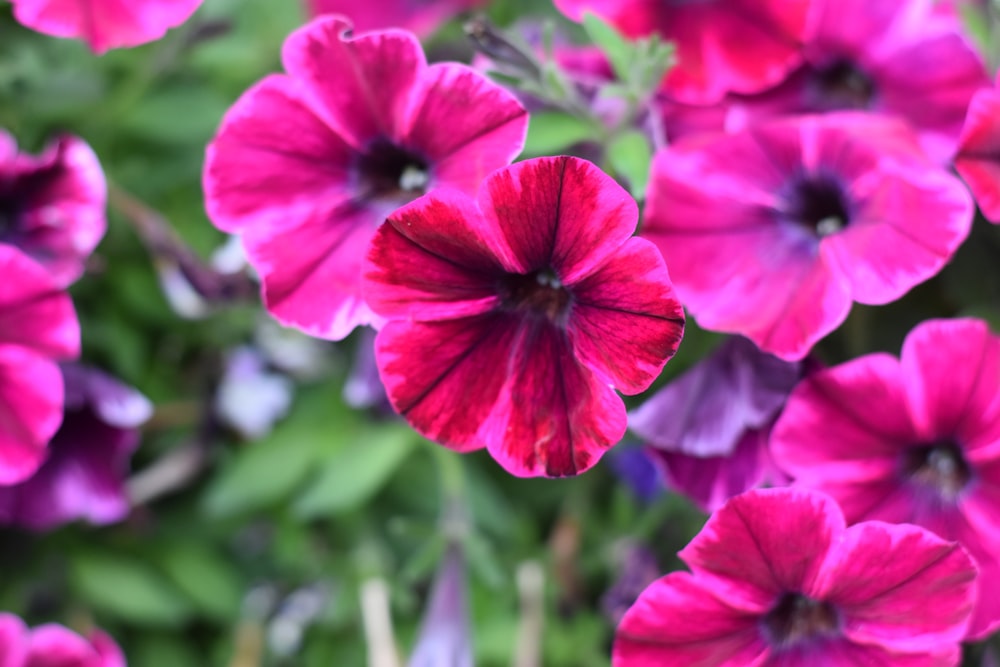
x,y
912,440
307,165
83,475
722,45
53,206
510,317
773,232
871,55
708,429
54,646
37,326
419,16
778,580
978,158
105,24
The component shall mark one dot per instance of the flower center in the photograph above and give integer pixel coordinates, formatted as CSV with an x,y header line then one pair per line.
x,y
940,467
819,204
797,618
539,293
389,173
842,85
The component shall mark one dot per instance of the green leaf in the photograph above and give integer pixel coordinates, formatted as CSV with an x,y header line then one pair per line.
x,y
129,589
553,131
269,471
206,578
630,156
610,41
357,472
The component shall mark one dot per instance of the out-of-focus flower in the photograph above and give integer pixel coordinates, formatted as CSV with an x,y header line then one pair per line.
x,y
419,16
83,473
773,232
913,440
637,569
54,646
307,165
777,579
445,638
511,317
37,327
636,469
871,55
105,24
708,429
722,46
363,388
978,158
53,206
292,352
250,398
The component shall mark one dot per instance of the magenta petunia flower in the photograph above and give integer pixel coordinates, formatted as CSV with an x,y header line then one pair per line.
x,y
772,232
37,326
307,165
83,474
912,440
105,24
708,429
511,317
978,158
778,580
53,206
54,646
871,55
722,45
419,16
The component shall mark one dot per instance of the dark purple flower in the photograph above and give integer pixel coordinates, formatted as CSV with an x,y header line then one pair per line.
x,y
82,477
708,429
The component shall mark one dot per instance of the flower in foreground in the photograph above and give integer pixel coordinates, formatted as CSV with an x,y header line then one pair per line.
x,y
306,165
53,206
778,580
978,158
83,474
419,16
37,327
722,46
512,316
54,646
774,231
914,439
707,430
877,56
105,24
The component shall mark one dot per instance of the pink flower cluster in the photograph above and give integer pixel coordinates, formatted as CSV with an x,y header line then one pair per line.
x,y
54,646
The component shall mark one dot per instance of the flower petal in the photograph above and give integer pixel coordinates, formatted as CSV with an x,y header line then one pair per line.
x,y
361,85
678,622
626,322
13,641
31,393
978,159
271,158
55,646
33,311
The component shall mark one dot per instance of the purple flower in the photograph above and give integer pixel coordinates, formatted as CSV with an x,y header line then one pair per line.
x,y
708,429
82,476
445,637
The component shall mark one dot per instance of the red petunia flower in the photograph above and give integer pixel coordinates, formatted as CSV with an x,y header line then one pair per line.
x,y
978,158
511,317
722,45
105,24
913,440
37,326
419,16
868,55
307,165
773,232
777,580
54,646
53,206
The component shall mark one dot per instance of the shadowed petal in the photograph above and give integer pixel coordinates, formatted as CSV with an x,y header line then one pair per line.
x,y
362,85
272,156
626,322
678,622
